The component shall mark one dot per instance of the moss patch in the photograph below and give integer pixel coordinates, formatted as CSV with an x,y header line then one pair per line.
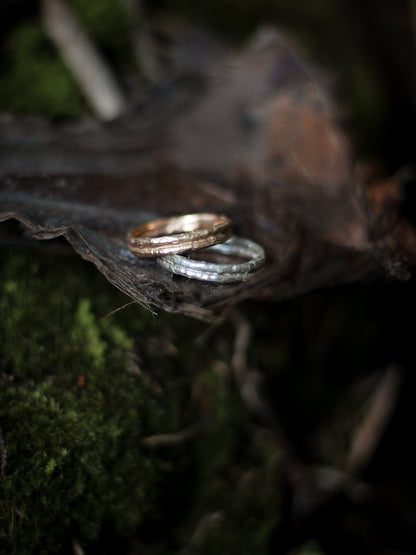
x,y
33,79
73,413
79,392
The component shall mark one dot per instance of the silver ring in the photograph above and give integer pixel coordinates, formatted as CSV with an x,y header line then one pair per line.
x,y
218,272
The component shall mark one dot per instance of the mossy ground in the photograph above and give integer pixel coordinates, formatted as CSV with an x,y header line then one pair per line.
x,y
80,389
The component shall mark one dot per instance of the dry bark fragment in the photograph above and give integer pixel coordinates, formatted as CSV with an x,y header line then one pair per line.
x,y
258,140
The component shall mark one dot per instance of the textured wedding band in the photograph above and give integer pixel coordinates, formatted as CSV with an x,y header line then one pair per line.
x,y
219,272
179,234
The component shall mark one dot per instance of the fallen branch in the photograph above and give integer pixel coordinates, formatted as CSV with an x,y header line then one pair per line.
x,y
88,67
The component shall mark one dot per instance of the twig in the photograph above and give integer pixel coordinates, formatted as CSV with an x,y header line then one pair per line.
x,y
369,432
14,507
143,44
204,525
241,341
78,51
250,382
212,327
76,547
118,309
159,440
3,451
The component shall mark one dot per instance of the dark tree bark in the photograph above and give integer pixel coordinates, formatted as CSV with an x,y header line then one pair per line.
x,y
257,137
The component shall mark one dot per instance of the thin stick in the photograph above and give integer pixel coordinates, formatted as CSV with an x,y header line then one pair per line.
x,y
92,73
14,507
204,526
76,547
241,342
118,309
371,429
144,47
3,455
158,440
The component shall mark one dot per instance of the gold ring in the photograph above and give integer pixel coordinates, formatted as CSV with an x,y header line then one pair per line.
x,y
179,234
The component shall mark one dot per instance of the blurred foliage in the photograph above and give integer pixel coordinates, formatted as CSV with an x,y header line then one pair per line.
x,y
34,80
73,413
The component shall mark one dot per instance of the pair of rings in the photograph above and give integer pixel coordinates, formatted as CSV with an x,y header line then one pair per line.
x,y
166,239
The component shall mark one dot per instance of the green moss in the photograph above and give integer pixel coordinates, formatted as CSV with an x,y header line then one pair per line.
x,y
87,334
79,391
33,79
82,385
72,413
